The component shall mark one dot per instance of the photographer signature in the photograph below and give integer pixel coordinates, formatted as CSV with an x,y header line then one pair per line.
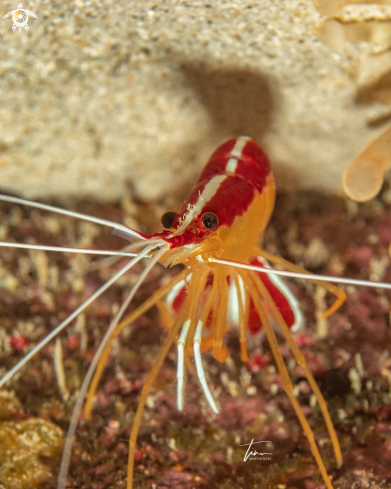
x,y
254,453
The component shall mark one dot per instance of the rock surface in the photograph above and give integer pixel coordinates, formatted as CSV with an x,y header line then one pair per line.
x,y
101,99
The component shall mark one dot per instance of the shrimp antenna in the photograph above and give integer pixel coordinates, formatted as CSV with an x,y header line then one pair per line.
x,y
123,234
246,266
66,250
104,222
75,313
85,251
91,370
109,260
284,273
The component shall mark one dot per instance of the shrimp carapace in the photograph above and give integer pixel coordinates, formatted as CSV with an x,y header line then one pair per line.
x,y
228,208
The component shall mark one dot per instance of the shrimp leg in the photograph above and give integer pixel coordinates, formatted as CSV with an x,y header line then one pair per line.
x,y
333,289
220,351
242,323
272,339
121,326
169,321
147,387
166,316
303,364
196,289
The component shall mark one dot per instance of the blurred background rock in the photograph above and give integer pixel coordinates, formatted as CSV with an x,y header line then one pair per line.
x,y
102,99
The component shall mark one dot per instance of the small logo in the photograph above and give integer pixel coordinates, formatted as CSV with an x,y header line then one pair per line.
x,y
253,454
20,17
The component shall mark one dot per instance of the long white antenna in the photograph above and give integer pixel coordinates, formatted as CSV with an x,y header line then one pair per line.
x,y
58,210
88,377
283,273
66,250
308,276
86,251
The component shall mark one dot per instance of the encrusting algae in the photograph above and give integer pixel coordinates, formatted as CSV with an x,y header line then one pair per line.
x,y
24,445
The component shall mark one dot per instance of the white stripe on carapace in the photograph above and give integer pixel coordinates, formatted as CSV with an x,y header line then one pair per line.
x,y
237,150
286,292
207,194
231,165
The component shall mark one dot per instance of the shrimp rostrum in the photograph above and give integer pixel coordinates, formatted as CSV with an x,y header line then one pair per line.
x,y
225,283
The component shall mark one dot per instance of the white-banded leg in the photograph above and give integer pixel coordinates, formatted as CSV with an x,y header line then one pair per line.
x,y
66,457
181,365
200,368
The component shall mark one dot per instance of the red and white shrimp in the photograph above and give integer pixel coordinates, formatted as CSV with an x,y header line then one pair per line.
x,y
226,282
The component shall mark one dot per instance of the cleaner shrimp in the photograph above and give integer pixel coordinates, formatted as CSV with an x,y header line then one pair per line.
x,y
227,281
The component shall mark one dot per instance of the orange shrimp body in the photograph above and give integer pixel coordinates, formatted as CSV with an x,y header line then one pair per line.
x,y
224,217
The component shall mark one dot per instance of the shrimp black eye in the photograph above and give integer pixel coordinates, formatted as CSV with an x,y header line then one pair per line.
x,y
210,220
167,219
